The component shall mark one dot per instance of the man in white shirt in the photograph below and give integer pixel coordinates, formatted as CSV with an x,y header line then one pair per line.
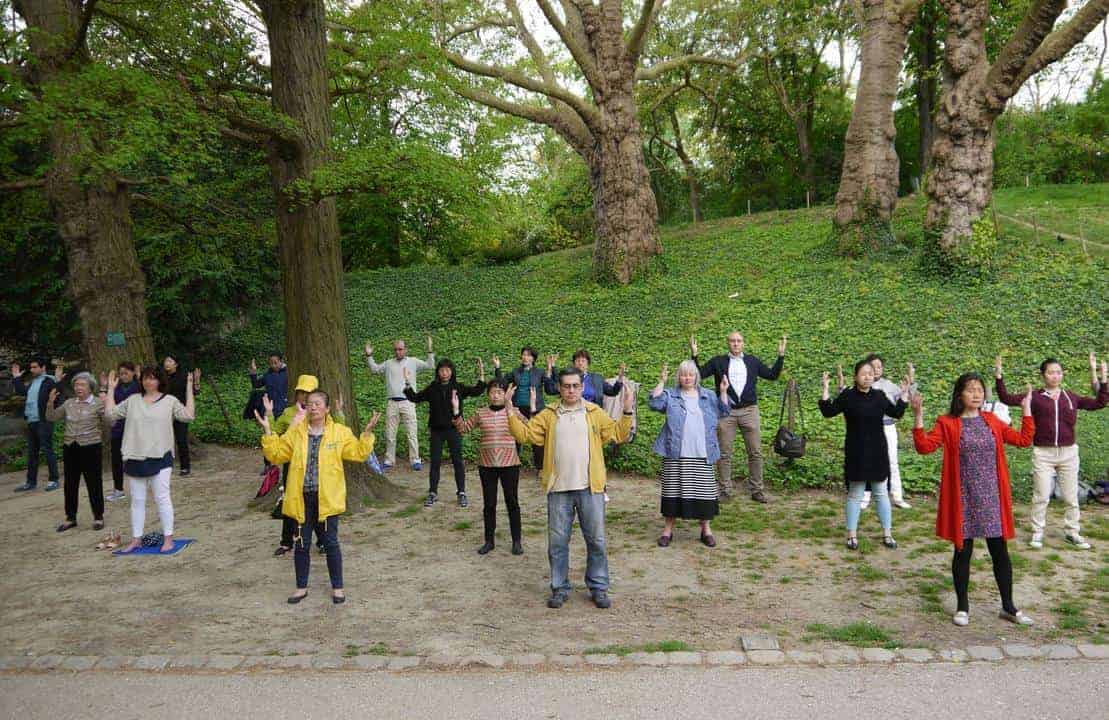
x,y
398,408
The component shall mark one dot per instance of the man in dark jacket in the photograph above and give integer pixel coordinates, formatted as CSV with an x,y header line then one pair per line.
x,y
743,372
594,387
40,431
178,379
440,422
275,381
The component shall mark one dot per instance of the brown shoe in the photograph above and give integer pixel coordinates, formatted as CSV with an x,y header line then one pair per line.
x,y
760,497
664,540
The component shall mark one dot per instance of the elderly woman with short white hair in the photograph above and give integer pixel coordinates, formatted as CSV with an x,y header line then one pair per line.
x,y
689,449
81,447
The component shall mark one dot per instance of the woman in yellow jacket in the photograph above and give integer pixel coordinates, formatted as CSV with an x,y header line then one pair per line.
x,y
316,489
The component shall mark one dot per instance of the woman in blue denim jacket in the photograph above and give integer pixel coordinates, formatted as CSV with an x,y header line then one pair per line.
x,y
689,449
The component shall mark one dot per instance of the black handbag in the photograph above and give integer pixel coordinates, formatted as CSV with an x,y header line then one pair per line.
x,y
788,443
254,403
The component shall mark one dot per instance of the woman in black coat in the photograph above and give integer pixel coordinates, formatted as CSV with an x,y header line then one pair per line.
x,y
865,456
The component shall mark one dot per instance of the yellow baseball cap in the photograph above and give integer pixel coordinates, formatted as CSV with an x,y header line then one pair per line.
x,y
307,383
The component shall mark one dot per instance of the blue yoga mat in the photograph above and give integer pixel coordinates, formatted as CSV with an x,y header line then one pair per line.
x,y
178,546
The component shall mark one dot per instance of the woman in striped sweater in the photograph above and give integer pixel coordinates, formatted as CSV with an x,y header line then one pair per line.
x,y
497,461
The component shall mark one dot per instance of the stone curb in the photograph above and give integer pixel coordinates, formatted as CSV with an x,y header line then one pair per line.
x,y
720,659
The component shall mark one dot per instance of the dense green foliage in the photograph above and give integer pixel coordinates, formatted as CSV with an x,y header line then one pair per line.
x,y
766,274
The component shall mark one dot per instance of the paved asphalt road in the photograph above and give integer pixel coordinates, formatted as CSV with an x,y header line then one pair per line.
x,y
979,691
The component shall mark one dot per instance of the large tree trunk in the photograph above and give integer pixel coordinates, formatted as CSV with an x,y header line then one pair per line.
x,y
92,208
960,185
867,192
625,212
308,229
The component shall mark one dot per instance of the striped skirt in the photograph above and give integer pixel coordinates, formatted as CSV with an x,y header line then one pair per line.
x,y
689,489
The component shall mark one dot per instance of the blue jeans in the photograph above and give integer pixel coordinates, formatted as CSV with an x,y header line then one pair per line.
x,y
40,438
590,508
880,493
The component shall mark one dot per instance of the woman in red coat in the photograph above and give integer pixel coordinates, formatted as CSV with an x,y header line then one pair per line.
x,y
975,499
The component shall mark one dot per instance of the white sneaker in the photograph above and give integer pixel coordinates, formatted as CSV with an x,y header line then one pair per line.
x,y
115,495
902,504
1077,542
961,618
1017,619
1037,541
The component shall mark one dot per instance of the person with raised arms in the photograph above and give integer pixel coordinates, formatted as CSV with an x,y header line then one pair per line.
x,y
315,446
82,450
398,409
975,499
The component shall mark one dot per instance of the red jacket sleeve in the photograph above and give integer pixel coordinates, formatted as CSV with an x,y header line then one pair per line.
x,y
927,442
1022,437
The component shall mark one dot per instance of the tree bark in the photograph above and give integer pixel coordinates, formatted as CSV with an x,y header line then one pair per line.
x,y
624,208
926,87
92,208
308,230
960,185
867,192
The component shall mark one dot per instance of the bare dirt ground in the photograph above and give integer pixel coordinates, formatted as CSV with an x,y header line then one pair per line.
x,y
416,585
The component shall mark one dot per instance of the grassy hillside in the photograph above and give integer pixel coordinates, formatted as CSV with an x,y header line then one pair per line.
x,y
765,274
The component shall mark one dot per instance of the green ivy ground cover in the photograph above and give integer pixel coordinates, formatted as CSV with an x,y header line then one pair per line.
x,y
764,274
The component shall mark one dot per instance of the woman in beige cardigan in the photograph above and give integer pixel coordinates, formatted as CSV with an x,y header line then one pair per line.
x,y
148,444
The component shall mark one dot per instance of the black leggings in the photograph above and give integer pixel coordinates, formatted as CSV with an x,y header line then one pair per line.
x,y
1002,572
454,443
509,478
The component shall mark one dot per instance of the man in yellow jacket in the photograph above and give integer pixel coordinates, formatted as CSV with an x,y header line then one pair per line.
x,y
316,488
573,433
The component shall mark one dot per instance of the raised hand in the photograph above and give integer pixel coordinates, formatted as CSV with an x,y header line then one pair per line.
x,y
253,367
103,379
372,423
623,371
112,381
369,349
298,418
1104,371
916,402
839,377
481,369
724,385
629,399
407,376
825,379
52,397
196,377
456,405
496,362
429,348
693,346
912,373
551,360
664,374
267,404
1026,403
264,420
1093,361
531,398
782,344
997,366
339,404
906,384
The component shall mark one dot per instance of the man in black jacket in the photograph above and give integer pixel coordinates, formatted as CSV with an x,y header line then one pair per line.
x,y
743,372
40,432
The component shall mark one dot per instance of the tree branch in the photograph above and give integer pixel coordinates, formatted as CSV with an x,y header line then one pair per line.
x,y
568,125
83,30
1034,27
167,210
587,113
22,184
574,40
241,136
485,22
1062,40
639,31
661,68
536,52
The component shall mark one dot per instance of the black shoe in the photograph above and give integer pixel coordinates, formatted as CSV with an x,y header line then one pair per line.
x,y
463,501
67,525
322,549
556,600
852,544
889,542
601,600
431,498
281,550
484,549
517,548
185,472
338,599
25,487
760,497
294,599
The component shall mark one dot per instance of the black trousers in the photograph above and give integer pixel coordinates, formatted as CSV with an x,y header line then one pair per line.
x,y
117,462
1002,572
40,438
302,557
536,450
181,437
509,479
454,442
83,460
